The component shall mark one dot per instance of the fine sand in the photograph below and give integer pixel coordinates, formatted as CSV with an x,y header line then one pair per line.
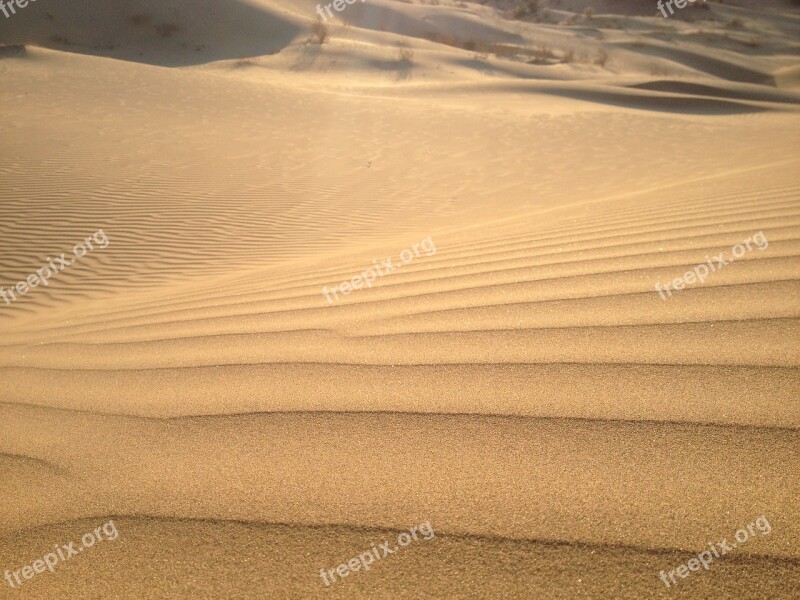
x,y
523,388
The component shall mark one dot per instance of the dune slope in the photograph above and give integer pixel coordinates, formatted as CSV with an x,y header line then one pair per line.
x,y
520,384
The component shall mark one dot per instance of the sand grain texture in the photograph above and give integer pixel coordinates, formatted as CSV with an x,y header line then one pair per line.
x,y
524,389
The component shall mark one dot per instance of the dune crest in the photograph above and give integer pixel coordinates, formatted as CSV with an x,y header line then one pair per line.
x,y
567,430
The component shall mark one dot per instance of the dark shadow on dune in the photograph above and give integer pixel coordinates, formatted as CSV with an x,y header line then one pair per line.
x,y
672,104
13,51
510,69
404,70
697,89
24,462
171,33
706,64
400,68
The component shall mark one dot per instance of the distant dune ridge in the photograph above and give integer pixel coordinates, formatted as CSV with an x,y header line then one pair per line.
x,y
175,33
524,389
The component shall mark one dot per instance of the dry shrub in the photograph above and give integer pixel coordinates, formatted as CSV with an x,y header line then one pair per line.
x,y
405,54
320,30
531,7
504,50
602,58
541,54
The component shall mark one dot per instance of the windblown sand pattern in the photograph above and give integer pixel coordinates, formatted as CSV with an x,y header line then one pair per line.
x,y
524,389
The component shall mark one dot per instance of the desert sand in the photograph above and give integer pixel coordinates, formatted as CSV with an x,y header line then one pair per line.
x,y
524,389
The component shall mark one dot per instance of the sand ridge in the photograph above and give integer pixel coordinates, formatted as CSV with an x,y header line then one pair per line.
x,y
567,433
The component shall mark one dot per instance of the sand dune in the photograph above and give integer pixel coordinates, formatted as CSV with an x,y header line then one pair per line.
x,y
165,34
289,559
524,388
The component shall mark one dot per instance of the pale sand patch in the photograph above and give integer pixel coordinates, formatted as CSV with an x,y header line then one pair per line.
x,y
566,432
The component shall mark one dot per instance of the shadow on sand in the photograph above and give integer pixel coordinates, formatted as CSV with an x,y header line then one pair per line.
x,y
169,33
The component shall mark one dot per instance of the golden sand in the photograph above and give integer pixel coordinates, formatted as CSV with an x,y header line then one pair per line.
x,y
566,432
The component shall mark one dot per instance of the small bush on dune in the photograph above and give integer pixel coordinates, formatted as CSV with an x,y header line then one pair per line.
x,y
519,12
531,7
504,50
541,54
602,58
404,53
320,31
